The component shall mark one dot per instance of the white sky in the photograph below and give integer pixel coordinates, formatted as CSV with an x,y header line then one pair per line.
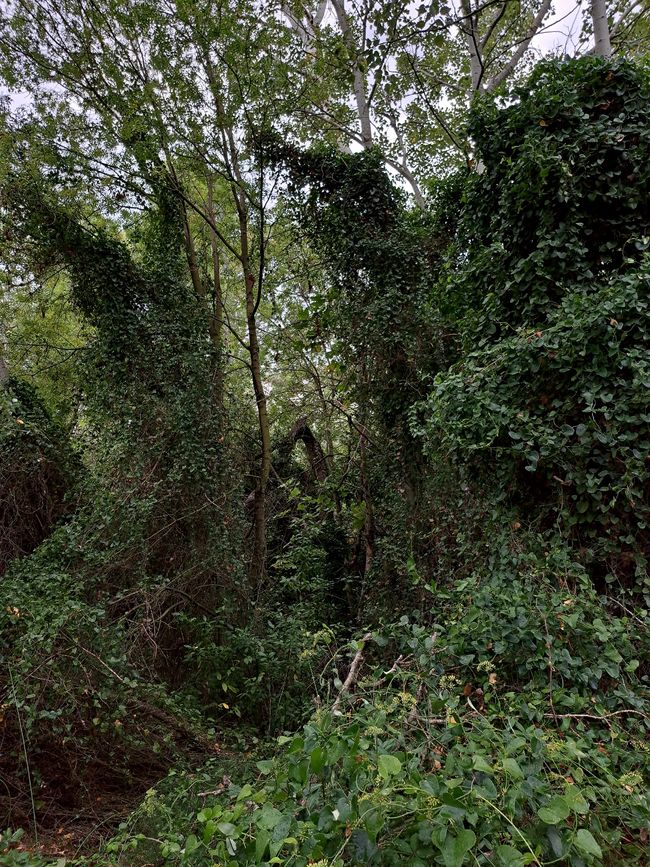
x,y
562,30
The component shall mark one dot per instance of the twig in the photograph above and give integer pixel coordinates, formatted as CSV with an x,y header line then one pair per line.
x,y
627,611
101,661
603,717
25,753
352,675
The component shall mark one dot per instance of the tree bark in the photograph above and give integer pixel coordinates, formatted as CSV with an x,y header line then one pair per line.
x,y
258,559
602,41
4,369
470,31
509,67
217,314
317,459
359,82
238,190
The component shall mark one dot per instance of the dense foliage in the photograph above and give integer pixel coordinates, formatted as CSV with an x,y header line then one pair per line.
x,y
551,269
324,506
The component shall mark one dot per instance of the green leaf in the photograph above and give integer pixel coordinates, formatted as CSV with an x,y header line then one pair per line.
x,y
512,767
454,848
226,828
268,818
554,812
191,844
479,763
261,842
576,800
317,760
388,766
510,857
584,841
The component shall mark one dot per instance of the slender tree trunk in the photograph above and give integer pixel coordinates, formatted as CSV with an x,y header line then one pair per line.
x,y
369,520
469,28
4,368
363,106
190,254
602,41
237,185
217,315
258,560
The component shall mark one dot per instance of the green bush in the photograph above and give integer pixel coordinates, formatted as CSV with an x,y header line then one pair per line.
x,y
507,727
548,282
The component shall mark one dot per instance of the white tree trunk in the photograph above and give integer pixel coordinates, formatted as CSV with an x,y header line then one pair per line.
x,y
363,107
468,27
602,41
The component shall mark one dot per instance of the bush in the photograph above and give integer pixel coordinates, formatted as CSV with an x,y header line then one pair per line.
x,y
505,728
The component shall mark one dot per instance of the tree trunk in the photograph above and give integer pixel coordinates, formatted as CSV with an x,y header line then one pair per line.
x,y
369,521
363,106
4,369
469,29
215,325
216,316
315,453
602,42
258,559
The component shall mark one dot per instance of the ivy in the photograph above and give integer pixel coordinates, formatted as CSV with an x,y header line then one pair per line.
x,y
549,397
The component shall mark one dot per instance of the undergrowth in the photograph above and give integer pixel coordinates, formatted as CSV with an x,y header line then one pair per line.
x,y
505,725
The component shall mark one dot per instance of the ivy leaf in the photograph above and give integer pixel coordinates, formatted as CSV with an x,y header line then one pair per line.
x,y
554,812
585,841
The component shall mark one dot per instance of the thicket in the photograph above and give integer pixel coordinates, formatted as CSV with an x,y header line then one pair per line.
x,y
486,533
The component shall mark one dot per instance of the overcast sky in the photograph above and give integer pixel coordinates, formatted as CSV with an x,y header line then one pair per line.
x,y
562,30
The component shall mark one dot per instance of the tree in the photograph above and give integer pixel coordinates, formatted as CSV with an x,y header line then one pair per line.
x,y
602,42
176,95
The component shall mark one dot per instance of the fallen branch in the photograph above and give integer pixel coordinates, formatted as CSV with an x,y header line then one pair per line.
x,y
352,675
602,718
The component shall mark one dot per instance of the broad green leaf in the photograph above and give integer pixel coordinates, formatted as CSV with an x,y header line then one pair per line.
x,y
317,760
585,841
576,800
479,763
512,767
388,766
268,818
261,842
510,857
455,848
554,812
191,844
